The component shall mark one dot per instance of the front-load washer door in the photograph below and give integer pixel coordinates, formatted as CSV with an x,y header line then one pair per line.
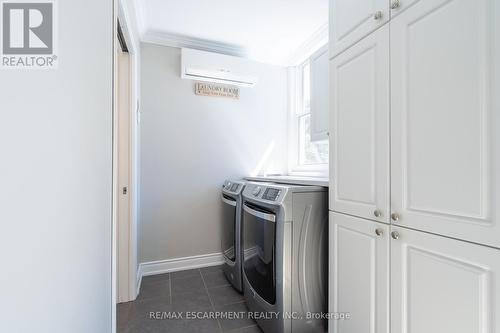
x,y
259,231
228,234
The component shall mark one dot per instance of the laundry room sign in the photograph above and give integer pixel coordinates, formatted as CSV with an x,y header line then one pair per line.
x,y
215,89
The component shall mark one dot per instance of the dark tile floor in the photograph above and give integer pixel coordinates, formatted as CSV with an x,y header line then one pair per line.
x,y
203,291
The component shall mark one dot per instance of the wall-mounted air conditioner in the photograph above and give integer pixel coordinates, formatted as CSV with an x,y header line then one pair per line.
x,y
214,67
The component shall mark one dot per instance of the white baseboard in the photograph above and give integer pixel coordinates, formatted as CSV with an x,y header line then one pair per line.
x,y
177,264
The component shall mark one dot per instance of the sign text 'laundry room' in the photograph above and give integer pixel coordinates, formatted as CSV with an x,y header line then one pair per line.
x,y
219,90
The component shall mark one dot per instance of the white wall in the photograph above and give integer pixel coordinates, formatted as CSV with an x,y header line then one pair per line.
x,y
55,182
191,144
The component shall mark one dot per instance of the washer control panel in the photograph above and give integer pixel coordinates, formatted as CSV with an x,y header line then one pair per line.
x,y
265,192
271,194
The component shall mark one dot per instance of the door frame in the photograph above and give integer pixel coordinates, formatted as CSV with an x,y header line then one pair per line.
x,y
125,24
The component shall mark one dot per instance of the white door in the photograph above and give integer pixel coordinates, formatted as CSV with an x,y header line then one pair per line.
x,y
320,94
351,20
442,285
359,126
123,178
445,110
358,274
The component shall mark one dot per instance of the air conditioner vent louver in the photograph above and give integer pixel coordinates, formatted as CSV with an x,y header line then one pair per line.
x,y
213,67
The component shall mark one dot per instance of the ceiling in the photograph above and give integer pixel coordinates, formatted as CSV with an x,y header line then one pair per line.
x,y
269,31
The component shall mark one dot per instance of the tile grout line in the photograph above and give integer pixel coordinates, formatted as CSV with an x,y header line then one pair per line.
x,y
234,303
210,299
170,286
242,328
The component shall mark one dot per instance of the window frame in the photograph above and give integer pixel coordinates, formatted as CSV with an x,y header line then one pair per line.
x,y
296,111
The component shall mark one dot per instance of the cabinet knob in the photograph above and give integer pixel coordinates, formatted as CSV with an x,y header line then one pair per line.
x,y
379,231
377,213
395,4
378,15
395,235
395,217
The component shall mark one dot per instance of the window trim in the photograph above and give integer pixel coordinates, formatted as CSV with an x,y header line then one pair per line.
x,y
296,107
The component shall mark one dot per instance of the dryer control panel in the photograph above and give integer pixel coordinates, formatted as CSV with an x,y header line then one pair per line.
x,y
234,187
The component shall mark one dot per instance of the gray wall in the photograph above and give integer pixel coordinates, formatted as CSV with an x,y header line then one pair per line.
x,y
191,144
55,176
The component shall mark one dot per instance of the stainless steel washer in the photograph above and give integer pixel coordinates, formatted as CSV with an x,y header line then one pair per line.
x,y
285,256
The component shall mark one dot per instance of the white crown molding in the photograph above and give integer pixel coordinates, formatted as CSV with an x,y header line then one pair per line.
x,y
304,51
318,39
174,40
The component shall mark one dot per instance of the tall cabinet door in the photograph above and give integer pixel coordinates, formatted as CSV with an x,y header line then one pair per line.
x,y
441,285
359,129
445,111
351,20
358,274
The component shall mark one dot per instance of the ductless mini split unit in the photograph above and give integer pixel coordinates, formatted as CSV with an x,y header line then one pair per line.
x,y
214,67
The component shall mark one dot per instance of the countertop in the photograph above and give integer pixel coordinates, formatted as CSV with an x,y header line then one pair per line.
x,y
295,180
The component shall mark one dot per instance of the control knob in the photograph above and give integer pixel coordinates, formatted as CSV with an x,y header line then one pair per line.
x,y
256,191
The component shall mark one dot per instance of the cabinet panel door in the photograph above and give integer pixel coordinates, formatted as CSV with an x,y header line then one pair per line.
x,y
351,20
358,274
445,114
320,94
440,284
359,158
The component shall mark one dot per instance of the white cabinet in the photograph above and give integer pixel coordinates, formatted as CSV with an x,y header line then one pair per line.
x,y
320,94
351,20
445,110
359,125
441,159
358,274
436,284
443,285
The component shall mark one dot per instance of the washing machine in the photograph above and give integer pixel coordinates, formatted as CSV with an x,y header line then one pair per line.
x,y
285,256
231,231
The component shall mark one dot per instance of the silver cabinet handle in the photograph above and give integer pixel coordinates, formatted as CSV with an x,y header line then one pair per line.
x,y
395,235
395,217
378,15
377,213
379,231
396,4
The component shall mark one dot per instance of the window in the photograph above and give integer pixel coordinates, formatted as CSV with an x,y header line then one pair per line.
x,y
306,157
